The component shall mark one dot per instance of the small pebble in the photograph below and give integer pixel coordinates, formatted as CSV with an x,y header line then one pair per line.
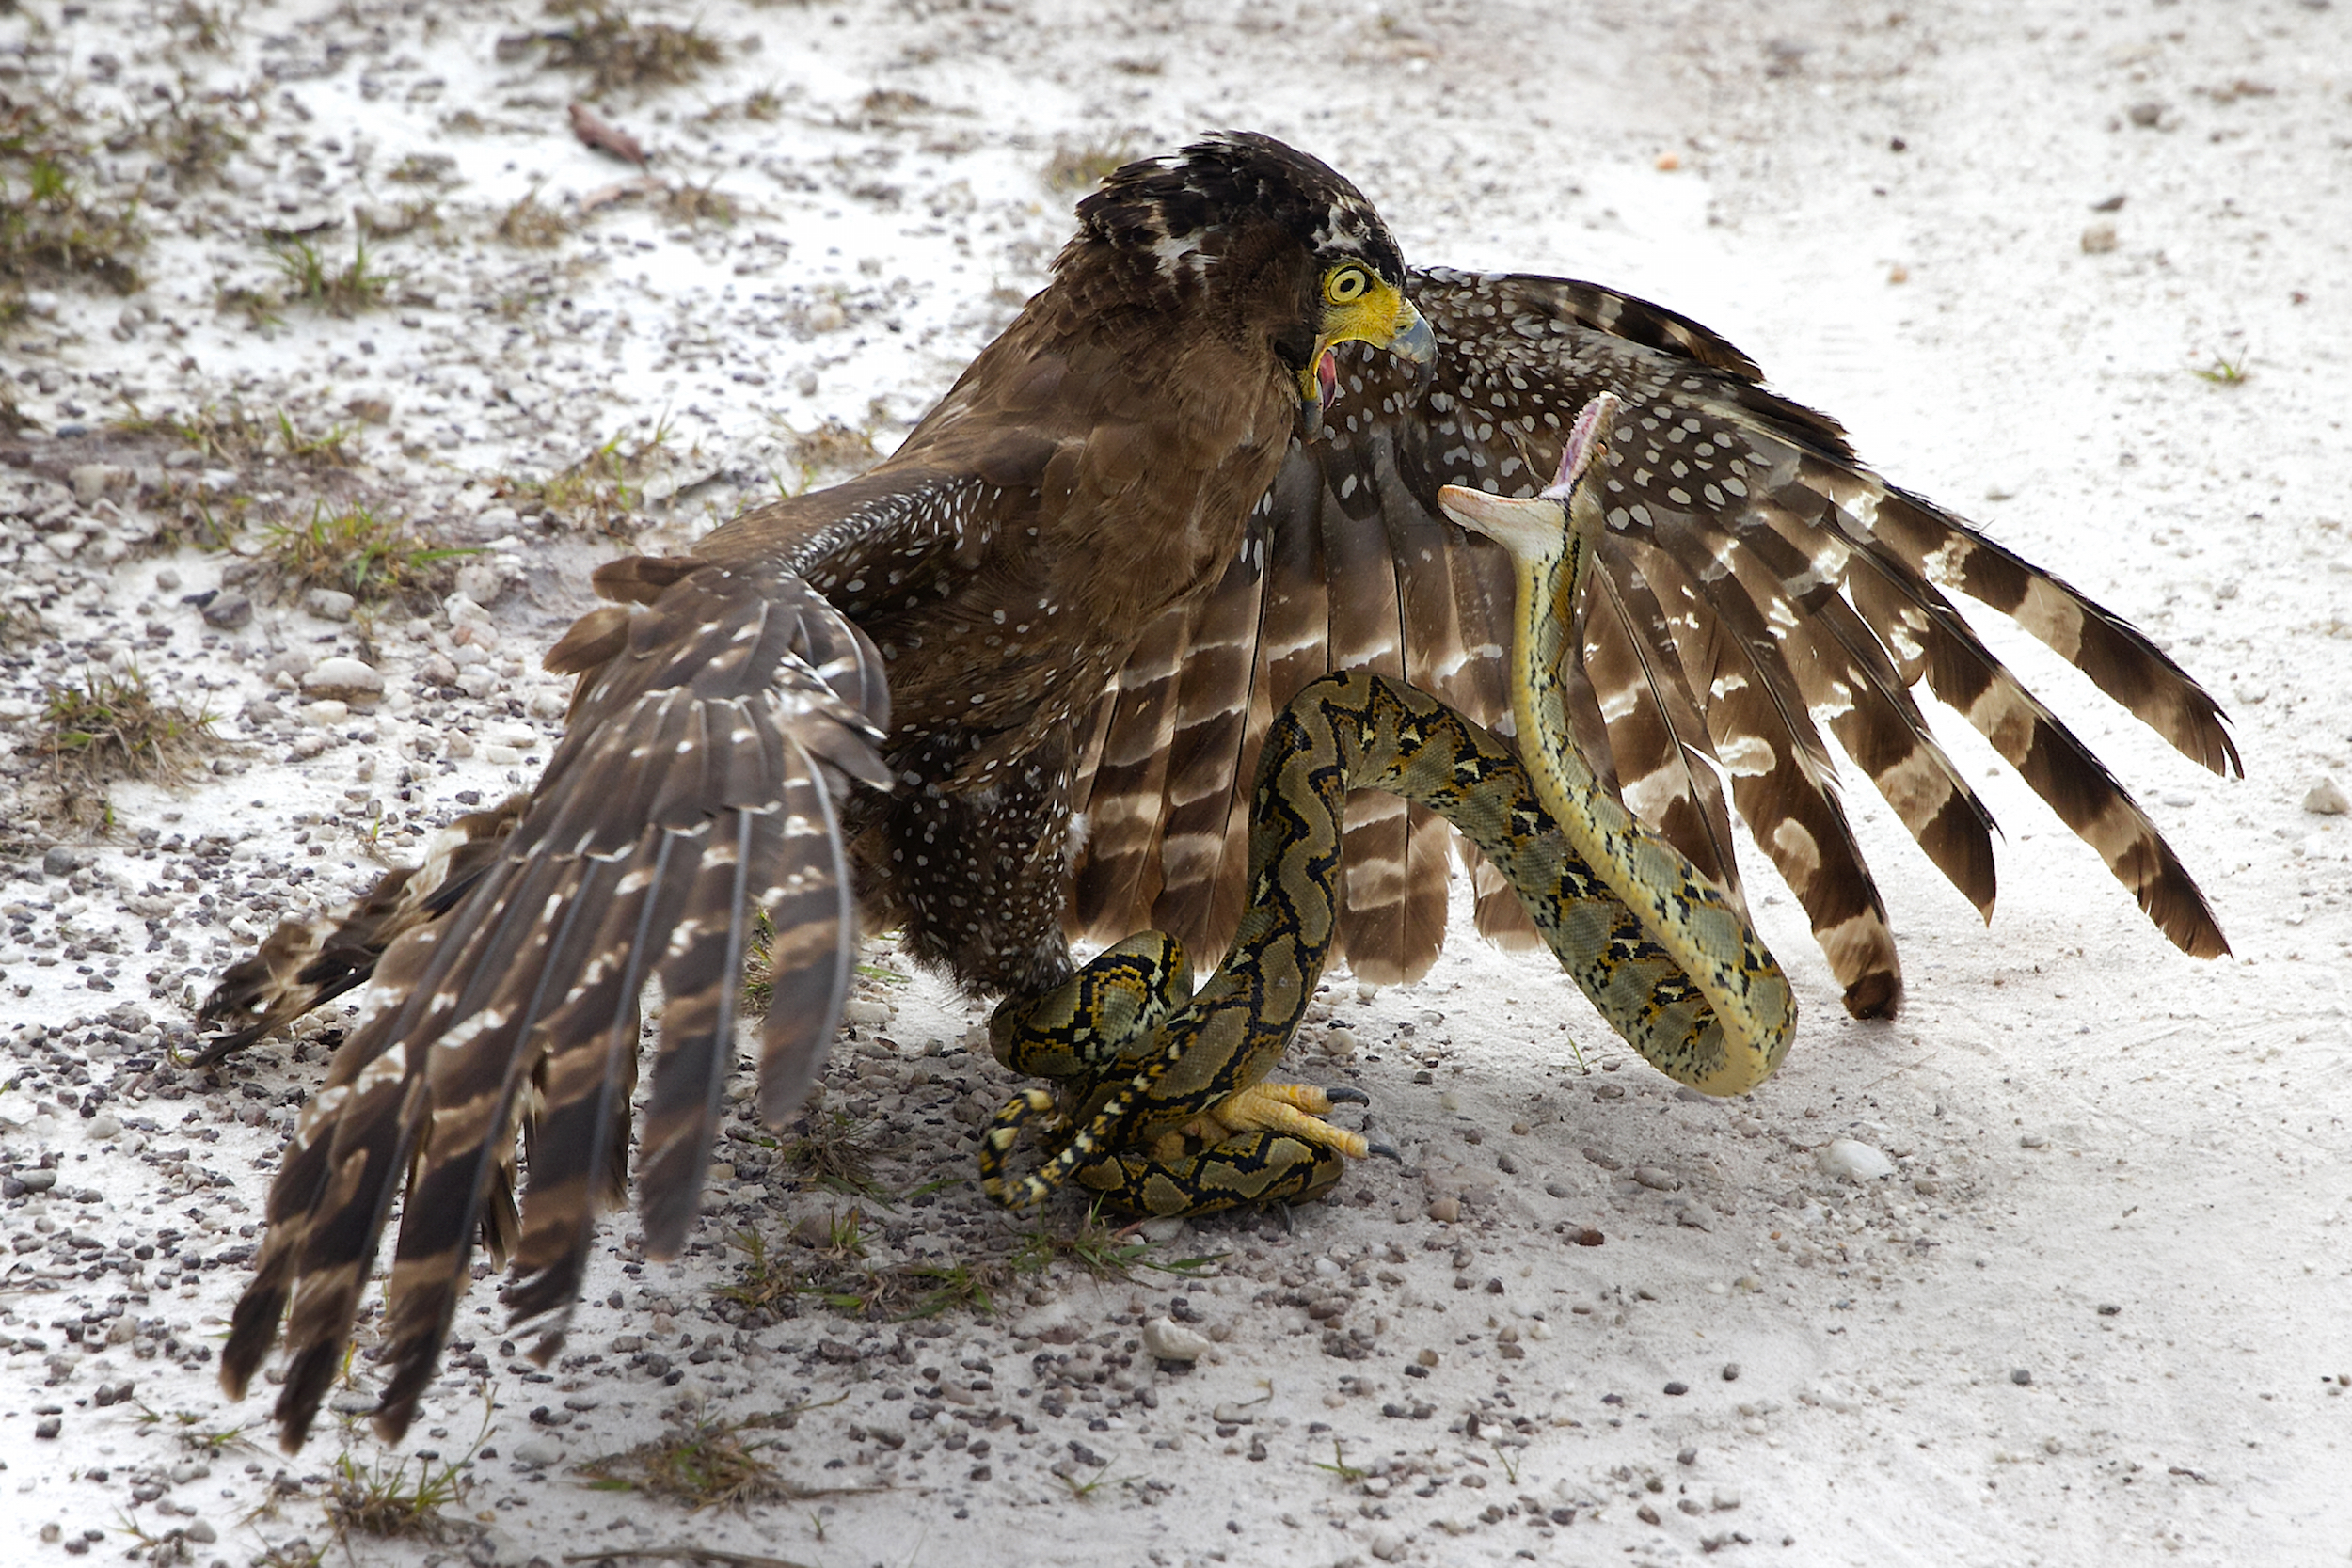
x,y
342,679
2099,238
48,1426
1168,1341
2108,1309
1445,1209
538,1453
1731,1371
2326,798
1676,1390
1655,1178
59,862
228,609
1849,1159
2032,1140
2021,1377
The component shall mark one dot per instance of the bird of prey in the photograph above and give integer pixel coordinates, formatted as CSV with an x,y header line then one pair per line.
x,y
1008,689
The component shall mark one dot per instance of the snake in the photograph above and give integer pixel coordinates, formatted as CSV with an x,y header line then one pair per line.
x,y
1159,1100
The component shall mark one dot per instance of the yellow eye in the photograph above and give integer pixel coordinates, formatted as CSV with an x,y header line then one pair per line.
x,y
1345,285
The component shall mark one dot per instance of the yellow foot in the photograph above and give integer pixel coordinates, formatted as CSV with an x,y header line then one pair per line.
x,y
1295,1109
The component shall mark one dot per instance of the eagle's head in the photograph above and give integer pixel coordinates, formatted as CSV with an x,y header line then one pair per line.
x,y
1272,244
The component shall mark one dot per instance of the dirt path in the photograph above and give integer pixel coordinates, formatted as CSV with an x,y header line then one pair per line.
x,y
2082,278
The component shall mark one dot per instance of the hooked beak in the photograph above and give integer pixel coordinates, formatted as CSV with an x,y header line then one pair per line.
x,y
1383,317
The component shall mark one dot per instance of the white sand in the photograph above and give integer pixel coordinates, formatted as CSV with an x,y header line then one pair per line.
x,y
2118,1172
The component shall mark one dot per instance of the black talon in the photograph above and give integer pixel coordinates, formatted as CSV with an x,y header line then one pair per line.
x,y
1345,1096
1383,1151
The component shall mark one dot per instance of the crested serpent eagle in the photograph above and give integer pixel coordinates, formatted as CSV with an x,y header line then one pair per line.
x,y
1008,688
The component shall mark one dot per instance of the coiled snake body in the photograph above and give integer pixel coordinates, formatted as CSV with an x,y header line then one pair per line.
x,y
1162,1103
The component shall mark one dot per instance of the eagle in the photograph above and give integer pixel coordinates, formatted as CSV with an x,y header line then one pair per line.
x,y
1006,690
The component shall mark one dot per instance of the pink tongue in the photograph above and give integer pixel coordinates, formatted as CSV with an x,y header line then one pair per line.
x,y
1327,374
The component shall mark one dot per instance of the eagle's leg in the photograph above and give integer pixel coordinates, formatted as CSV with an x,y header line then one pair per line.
x,y
1295,1109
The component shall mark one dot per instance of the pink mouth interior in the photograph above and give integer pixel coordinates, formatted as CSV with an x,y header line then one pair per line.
x,y
1327,374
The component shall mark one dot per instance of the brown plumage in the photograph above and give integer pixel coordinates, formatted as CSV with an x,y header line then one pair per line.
x,y
1055,625
935,631
1757,586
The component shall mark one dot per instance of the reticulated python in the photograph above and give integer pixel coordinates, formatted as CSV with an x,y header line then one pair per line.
x,y
1161,1103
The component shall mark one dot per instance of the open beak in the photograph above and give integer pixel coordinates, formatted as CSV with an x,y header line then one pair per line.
x,y
1383,317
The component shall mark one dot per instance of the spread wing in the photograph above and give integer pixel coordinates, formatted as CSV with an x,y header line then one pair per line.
x,y
1760,588
719,725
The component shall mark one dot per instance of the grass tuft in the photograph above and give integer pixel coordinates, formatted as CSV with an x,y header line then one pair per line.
x,y
830,450
341,292
356,552
697,205
604,490
1081,166
235,436
380,1499
50,225
704,1464
532,224
114,727
838,1152
2224,371
616,52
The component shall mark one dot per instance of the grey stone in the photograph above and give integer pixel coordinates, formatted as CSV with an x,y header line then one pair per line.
x,y
342,679
329,604
92,479
59,862
229,609
538,1453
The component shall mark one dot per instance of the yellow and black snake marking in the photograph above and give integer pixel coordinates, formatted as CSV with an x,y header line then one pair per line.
x,y
1706,933
1166,1113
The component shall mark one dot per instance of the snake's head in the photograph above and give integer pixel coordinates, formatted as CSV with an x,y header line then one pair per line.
x,y
1535,528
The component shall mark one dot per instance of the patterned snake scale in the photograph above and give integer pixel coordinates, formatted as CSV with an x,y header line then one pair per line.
x,y
1161,1105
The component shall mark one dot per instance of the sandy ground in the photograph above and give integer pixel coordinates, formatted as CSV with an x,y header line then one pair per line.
x,y
2096,1313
